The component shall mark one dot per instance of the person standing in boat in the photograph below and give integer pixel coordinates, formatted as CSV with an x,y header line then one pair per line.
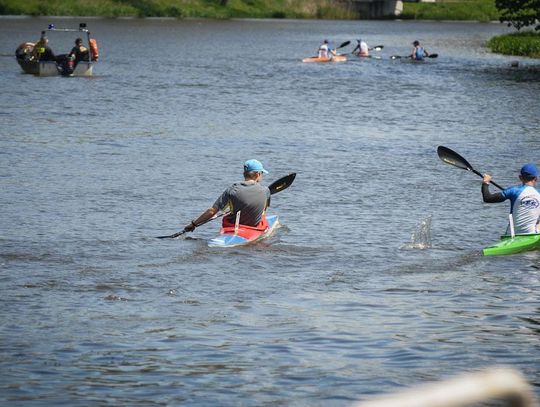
x,y
248,197
42,51
325,51
362,47
524,200
418,52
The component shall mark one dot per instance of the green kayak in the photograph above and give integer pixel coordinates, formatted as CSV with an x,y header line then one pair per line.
x,y
517,244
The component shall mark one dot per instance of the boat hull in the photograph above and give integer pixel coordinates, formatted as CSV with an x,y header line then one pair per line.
x,y
245,236
336,58
518,244
50,68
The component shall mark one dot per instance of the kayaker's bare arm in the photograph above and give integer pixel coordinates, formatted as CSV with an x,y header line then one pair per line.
x,y
205,216
488,196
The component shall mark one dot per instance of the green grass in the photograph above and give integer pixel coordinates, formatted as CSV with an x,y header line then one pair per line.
x,y
522,43
178,8
476,10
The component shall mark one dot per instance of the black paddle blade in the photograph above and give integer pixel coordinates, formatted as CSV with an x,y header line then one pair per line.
x,y
433,55
344,44
453,158
282,183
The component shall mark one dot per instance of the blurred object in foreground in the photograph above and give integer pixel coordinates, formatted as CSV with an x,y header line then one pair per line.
x,y
501,384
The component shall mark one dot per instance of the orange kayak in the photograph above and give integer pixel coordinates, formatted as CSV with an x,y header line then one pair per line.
x,y
336,58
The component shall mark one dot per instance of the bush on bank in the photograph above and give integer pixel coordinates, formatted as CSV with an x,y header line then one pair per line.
x,y
521,43
477,10
328,9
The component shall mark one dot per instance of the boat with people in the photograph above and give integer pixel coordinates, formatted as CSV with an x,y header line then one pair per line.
x,y
38,59
242,235
513,245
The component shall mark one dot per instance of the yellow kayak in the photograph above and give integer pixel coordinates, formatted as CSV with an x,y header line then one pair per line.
x,y
335,58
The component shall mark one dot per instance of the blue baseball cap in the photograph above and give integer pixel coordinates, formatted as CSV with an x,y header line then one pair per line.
x,y
254,166
529,170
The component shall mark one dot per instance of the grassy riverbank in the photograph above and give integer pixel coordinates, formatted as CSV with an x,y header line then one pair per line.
x,y
522,44
178,8
476,10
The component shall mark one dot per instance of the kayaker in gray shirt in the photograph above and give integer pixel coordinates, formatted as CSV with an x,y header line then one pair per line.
x,y
248,197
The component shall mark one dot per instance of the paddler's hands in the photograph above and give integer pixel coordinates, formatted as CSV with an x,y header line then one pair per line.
x,y
190,227
487,179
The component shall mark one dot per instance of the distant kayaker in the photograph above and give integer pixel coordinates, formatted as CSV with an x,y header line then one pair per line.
x,y
362,47
248,197
325,51
524,199
418,52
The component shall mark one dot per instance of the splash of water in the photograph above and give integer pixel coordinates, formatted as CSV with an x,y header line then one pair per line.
x,y
421,238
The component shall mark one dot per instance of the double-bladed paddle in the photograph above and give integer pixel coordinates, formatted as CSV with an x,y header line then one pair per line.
x,y
451,157
408,56
275,187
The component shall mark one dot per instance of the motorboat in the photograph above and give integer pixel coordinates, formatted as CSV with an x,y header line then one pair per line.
x,y
52,65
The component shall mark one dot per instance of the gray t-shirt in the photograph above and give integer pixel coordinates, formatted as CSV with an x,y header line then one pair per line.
x,y
248,197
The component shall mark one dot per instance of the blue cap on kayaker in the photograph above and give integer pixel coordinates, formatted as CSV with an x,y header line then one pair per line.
x,y
529,171
254,166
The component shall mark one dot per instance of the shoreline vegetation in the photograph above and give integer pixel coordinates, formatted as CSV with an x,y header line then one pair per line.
x,y
471,10
526,43
212,9
519,43
458,10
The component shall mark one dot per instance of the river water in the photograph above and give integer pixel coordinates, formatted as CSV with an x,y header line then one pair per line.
x,y
374,283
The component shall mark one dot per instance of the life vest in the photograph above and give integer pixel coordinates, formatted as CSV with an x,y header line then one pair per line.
x,y
419,54
94,51
228,225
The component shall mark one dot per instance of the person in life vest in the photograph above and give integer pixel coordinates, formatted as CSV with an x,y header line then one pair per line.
x,y
42,51
524,200
248,197
79,52
362,49
325,51
418,52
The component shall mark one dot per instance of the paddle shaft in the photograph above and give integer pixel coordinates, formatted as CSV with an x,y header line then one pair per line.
x,y
482,176
408,56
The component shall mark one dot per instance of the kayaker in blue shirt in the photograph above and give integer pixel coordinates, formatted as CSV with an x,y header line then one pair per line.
x,y
524,199
418,53
325,51
248,197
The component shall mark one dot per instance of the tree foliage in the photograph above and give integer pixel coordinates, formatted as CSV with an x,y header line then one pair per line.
x,y
519,13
